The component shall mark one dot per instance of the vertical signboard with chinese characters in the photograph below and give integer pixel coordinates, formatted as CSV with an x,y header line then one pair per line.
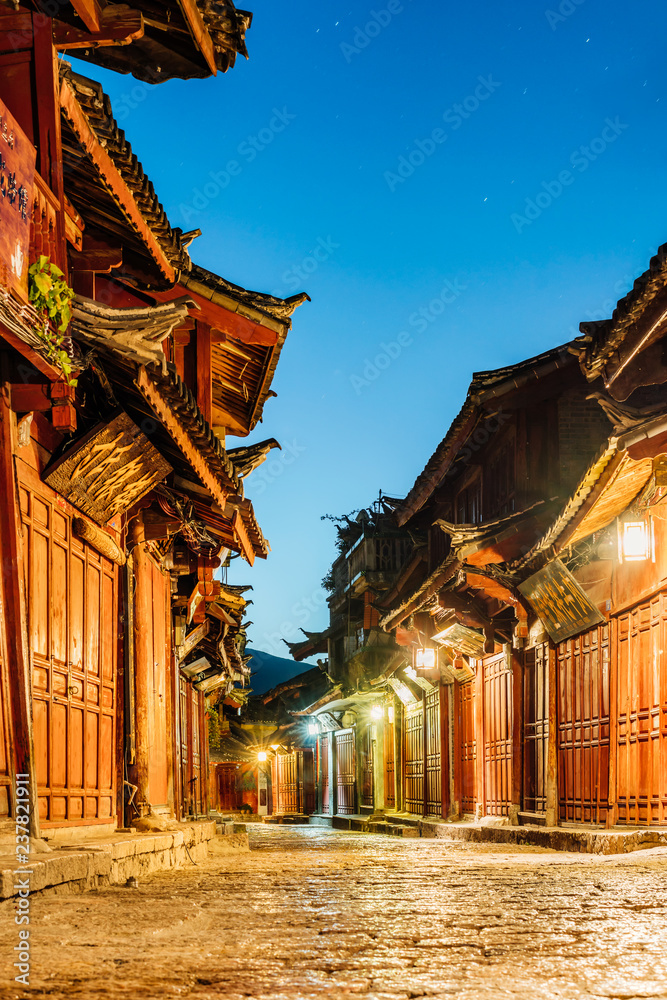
x,y
17,174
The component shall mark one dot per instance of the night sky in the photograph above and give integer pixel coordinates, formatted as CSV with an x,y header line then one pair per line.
x,y
456,187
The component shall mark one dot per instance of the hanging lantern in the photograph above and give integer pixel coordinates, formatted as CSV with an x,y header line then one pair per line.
x,y
377,712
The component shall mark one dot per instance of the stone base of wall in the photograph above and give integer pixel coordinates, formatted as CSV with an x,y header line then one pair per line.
x,y
93,862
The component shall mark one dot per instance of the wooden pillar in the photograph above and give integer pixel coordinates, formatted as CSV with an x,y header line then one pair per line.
x,y
480,723
378,763
516,661
15,615
143,663
204,373
49,142
333,775
552,809
457,763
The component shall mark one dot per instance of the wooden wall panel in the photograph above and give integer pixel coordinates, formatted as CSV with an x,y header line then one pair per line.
x,y
72,621
497,734
536,728
159,696
467,747
583,727
642,714
433,804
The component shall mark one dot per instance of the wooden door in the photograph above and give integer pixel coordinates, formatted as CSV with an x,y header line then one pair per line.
x,y
497,733
535,727
467,747
367,744
324,772
72,618
642,714
5,730
184,746
227,792
413,756
346,772
433,755
583,727
389,765
196,777
307,782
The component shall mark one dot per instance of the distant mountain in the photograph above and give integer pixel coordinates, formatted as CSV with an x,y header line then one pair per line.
x,y
269,670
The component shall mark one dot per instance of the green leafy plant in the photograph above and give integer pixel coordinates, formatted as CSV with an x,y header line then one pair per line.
x,y
51,296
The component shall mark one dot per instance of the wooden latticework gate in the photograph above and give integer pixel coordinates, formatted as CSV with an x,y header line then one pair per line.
x,y
413,756
642,714
583,727
72,613
346,772
467,747
287,791
324,772
497,734
535,728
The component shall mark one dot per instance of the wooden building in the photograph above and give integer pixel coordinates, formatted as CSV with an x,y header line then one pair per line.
x,y
526,679
124,367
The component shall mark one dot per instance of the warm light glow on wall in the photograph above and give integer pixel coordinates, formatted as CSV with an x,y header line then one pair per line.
x,y
390,713
377,712
425,658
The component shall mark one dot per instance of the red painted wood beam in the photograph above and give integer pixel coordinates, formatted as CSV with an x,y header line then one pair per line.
x,y
90,13
15,611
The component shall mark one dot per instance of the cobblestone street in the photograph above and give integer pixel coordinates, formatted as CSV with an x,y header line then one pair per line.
x,y
311,912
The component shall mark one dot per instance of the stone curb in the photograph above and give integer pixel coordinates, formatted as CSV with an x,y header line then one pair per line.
x,y
584,841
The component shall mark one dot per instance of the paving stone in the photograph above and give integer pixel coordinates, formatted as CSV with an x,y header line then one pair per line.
x,y
320,914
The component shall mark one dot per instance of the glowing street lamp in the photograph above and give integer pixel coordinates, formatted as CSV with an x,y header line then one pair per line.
x,y
313,728
425,658
636,541
261,756
377,712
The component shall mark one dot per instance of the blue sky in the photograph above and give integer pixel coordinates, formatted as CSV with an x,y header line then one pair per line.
x,y
529,207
